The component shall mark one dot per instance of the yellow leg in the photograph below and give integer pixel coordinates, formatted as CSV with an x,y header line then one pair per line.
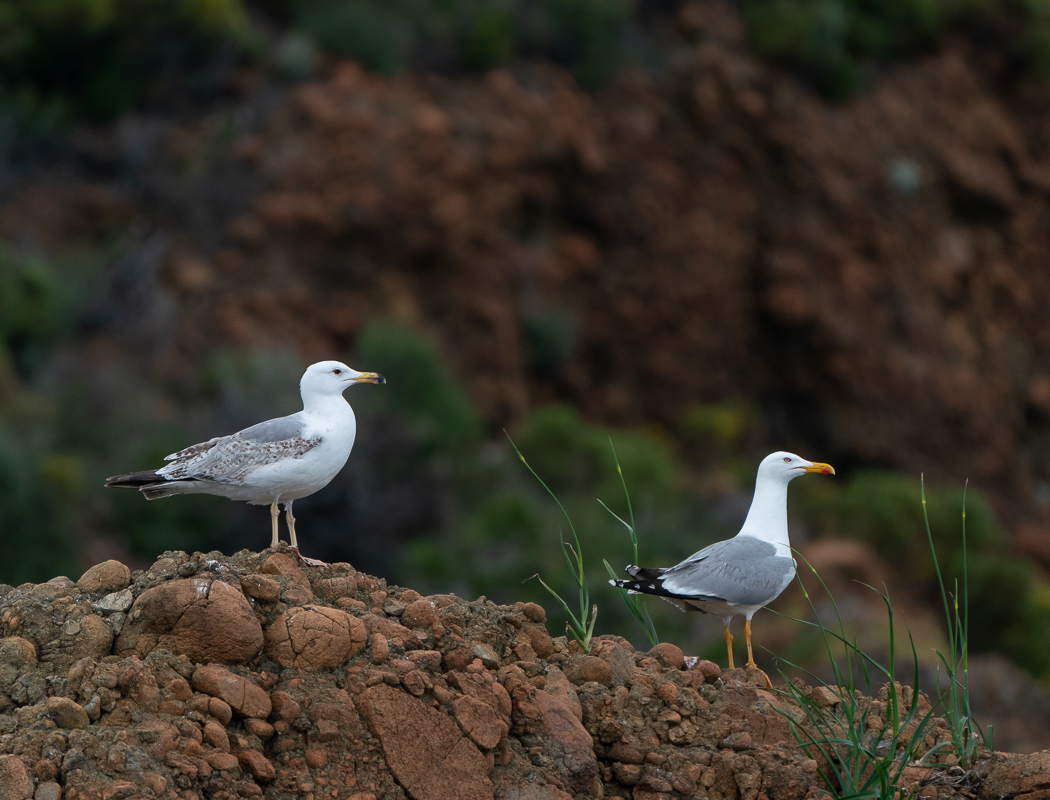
x,y
274,514
750,657
729,645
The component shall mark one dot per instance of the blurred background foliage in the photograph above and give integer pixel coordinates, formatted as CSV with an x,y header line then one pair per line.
x,y
66,60
439,500
839,44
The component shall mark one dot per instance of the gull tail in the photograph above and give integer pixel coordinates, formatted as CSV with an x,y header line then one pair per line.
x,y
645,580
152,485
134,480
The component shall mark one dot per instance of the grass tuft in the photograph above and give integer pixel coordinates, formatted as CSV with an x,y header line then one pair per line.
x,y
863,744
633,602
967,736
580,626
835,726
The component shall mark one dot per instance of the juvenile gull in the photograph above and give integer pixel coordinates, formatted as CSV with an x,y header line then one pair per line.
x,y
274,462
742,574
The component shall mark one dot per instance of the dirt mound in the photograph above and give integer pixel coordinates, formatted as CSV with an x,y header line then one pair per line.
x,y
335,685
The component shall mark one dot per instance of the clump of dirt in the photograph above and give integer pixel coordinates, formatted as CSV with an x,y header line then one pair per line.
x,y
219,677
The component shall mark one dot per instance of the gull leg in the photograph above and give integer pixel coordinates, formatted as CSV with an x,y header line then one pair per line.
x,y
729,645
750,657
274,514
288,518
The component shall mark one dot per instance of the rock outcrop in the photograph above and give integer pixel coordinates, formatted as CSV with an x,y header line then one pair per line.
x,y
252,676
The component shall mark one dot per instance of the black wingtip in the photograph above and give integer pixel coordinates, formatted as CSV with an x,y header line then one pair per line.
x,y
133,480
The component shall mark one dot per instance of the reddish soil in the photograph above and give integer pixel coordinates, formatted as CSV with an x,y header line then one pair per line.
x,y
253,676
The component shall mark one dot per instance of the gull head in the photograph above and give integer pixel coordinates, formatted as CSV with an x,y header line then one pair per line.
x,y
784,467
333,377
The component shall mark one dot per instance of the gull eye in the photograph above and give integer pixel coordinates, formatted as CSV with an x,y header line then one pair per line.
x,y
787,460
337,372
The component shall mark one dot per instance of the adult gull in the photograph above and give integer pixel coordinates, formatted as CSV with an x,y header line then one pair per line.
x,y
274,462
737,576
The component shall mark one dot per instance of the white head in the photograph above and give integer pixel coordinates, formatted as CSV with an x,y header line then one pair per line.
x,y
333,377
784,467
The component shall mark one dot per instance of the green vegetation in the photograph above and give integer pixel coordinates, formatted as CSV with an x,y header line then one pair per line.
x,y
580,627
967,737
634,603
839,44
64,59
30,308
857,762
390,36
67,60
500,527
880,508
70,60
862,741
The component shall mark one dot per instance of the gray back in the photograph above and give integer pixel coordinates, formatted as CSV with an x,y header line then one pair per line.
x,y
742,571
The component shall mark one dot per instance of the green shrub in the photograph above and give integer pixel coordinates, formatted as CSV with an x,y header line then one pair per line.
x,y
99,55
423,387
30,308
390,36
39,496
833,43
881,508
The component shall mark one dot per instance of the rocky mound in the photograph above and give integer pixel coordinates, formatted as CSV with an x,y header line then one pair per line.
x,y
251,676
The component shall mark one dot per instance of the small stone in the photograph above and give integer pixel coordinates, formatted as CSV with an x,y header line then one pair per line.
x,y
66,713
419,614
823,697
479,721
215,735
741,740
429,660
535,612
264,589
415,682
316,758
48,791
627,774
221,710
284,706
669,655
116,601
257,764
17,652
487,654
710,671
456,659
584,669
220,761
16,783
314,636
109,576
258,727
335,588
241,694
380,648
280,564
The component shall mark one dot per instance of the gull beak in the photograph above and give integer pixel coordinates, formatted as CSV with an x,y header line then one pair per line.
x,y
368,377
823,469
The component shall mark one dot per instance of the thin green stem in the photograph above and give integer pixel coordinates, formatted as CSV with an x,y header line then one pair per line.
x,y
581,627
